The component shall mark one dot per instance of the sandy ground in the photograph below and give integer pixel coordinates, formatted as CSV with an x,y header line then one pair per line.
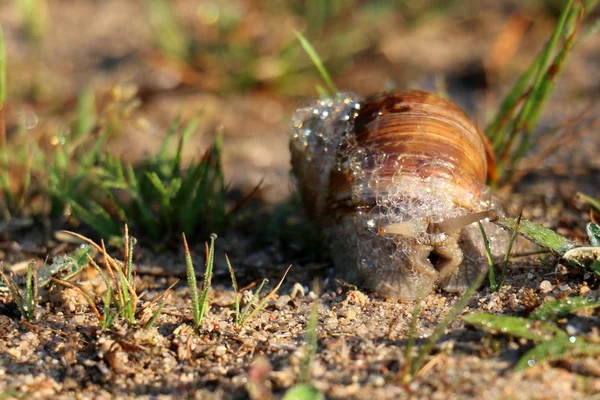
x,y
361,337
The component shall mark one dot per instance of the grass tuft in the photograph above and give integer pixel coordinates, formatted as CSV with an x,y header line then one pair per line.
x,y
158,198
124,304
512,130
497,285
247,313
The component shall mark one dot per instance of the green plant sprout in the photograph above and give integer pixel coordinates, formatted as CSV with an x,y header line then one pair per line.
x,y
200,304
247,313
121,277
497,285
413,366
304,390
62,268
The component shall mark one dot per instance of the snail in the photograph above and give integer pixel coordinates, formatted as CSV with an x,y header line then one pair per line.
x,y
396,182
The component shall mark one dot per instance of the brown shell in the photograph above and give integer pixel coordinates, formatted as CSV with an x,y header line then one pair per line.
x,y
417,126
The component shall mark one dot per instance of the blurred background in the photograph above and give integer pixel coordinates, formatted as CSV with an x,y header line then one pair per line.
x,y
238,65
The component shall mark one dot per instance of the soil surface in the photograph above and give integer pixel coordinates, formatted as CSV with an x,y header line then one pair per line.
x,y
362,337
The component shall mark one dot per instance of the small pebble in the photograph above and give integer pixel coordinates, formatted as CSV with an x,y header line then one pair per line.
x,y
545,286
564,287
220,351
282,301
297,291
584,289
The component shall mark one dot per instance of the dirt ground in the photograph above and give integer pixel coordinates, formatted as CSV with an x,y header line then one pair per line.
x,y
362,337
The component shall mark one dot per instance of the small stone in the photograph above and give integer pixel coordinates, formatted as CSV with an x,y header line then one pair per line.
x,y
565,287
297,291
584,289
220,351
351,314
545,287
282,301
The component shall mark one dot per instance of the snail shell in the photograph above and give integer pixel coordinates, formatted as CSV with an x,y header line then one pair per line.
x,y
395,181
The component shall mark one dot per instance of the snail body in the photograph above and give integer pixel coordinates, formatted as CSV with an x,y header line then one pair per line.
x,y
396,181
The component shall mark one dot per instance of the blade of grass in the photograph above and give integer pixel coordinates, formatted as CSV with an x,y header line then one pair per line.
x,y
557,349
541,90
441,327
405,373
246,310
513,237
515,326
4,176
192,284
264,301
538,234
560,308
236,293
2,69
590,200
208,273
31,289
316,60
311,345
488,253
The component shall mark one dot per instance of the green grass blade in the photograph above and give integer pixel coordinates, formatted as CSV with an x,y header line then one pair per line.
x,y
208,273
547,54
173,128
441,327
168,30
192,284
156,313
107,314
30,289
246,311
311,345
488,253
538,234
557,349
85,114
515,326
560,308
497,130
590,200
266,299
236,294
2,69
316,60
513,237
